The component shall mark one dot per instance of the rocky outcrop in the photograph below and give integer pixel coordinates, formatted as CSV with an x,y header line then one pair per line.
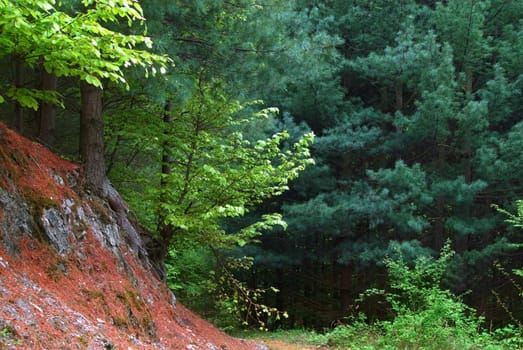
x,y
73,274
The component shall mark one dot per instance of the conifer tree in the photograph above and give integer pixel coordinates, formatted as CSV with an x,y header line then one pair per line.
x,y
410,161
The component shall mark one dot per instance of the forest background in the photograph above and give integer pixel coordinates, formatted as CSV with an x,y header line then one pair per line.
x,y
416,110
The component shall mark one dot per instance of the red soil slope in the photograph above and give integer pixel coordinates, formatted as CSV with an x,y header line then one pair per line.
x,y
89,297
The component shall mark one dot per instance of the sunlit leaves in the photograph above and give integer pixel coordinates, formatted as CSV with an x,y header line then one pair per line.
x,y
30,98
218,174
80,46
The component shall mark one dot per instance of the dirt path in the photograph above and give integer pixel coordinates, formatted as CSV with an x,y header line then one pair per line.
x,y
280,345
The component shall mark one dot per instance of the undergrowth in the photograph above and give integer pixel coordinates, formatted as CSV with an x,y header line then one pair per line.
x,y
425,316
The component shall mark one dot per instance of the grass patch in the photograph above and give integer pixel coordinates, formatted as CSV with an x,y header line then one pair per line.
x,y
292,336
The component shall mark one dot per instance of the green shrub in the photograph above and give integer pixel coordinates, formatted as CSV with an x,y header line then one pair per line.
x,y
190,277
425,316
358,335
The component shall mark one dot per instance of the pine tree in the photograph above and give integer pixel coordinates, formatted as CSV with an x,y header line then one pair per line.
x,y
416,157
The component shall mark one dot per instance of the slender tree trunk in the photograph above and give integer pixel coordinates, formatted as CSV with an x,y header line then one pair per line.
x,y
166,158
92,138
467,151
47,112
346,288
166,231
439,233
469,80
398,89
384,99
18,122
462,243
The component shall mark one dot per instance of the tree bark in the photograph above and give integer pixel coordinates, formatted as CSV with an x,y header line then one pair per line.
x,y
92,152
47,112
166,231
439,232
92,138
346,288
166,158
18,122
468,153
398,89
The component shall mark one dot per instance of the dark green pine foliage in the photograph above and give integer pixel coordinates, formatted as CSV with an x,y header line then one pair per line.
x,y
427,137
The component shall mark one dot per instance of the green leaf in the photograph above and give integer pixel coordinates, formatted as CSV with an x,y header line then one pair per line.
x,y
27,101
93,80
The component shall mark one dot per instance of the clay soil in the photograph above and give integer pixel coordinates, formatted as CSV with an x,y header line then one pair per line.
x,y
50,302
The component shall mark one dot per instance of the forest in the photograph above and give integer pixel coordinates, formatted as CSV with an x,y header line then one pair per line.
x,y
352,169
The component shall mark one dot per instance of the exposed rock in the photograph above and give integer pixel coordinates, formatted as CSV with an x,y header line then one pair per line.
x,y
261,347
57,229
16,220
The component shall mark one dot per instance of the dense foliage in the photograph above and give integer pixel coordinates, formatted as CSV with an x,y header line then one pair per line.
x,y
416,108
426,137
38,33
425,316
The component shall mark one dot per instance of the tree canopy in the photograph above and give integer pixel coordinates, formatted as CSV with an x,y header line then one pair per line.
x,y
40,33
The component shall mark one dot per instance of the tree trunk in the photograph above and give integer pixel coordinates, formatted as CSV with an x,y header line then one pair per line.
x,y
165,230
439,232
166,158
469,81
18,122
92,137
92,152
346,288
398,89
467,149
47,112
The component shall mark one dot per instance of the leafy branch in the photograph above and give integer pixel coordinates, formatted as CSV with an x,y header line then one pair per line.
x,y
245,300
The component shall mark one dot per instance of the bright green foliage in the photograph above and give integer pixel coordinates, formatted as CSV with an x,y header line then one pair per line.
x,y
217,174
424,315
39,32
133,148
515,219
225,161
220,169
410,285
190,277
